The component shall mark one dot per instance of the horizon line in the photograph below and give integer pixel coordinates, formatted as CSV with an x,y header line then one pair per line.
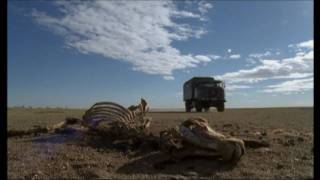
x,y
157,108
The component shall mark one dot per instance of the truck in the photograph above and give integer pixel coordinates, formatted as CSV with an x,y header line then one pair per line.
x,y
203,93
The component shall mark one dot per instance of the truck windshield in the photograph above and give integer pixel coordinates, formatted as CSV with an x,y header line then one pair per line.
x,y
212,85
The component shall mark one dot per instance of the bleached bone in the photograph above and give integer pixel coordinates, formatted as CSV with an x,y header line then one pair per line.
x,y
111,108
123,118
198,139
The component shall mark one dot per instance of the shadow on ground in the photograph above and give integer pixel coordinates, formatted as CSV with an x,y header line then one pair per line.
x,y
161,163
142,159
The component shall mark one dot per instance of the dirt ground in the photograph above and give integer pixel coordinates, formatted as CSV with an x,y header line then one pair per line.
x,y
288,130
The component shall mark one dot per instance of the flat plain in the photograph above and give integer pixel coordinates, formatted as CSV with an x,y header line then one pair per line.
x,y
289,131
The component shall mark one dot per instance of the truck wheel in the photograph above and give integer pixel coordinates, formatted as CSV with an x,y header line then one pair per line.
x,y
221,107
206,109
188,109
188,106
198,106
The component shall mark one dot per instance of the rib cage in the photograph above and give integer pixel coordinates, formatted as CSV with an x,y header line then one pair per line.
x,y
108,111
111,112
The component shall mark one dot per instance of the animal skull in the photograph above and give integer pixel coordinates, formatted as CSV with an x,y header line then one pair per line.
x,y
194,137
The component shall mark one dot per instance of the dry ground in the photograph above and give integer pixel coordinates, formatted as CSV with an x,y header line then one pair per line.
x,y
288,130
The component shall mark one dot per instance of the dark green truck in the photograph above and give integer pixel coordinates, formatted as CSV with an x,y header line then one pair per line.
x,y
203,93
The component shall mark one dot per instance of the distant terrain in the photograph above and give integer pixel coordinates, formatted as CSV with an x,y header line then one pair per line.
x,y
288,130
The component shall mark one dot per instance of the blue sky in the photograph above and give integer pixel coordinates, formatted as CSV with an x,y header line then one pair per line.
x,y
73,53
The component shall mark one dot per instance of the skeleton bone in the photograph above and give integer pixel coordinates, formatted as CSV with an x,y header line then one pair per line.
x,y
118,116
198,138
193,137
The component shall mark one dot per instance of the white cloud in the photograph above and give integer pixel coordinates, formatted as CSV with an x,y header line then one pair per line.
x,y
255,57
185,14
235,56
307,56
292,86
187,71
306,45
204,6
168,77
260,55
233,87
251,61
203,58
229,50
137,32
215,57
299,66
